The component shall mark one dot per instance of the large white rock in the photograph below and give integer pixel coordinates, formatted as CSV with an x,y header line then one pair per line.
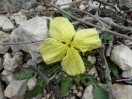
x,y
16,89
122,91
122,56
6,24
4,38
88,93
32,30
59,2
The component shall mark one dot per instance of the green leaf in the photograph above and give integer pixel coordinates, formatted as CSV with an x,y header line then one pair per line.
x,y
35,91
66,16
119,19
113,67
99,93
65,86
24,73
48,23
107,36
87,63
77,78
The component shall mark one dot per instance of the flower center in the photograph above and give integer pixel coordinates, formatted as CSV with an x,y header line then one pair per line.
x,y
69,45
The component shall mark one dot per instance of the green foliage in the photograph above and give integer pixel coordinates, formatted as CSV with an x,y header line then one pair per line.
x,y
66,16
65,86
37,89
24,73
119,19
77,78
87,63
48,23
107,36
112,67
98,92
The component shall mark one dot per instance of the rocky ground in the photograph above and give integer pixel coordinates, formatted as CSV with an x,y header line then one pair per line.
x,y
24,25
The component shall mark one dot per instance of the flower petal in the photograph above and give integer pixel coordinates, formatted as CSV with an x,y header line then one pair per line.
x,y
72,63
61,29
86,40
52,50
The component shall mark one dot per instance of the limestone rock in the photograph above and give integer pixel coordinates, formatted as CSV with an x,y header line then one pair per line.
x,y
9,63
16,89
19,57
6,24
18,17
93,71
122,91
15,5
9,76
59,2
31,83
31,30
92,59
4,38
88,93
127,74
122,56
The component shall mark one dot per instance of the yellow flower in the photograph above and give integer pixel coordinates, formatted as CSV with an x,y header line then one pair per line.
x,y
66,43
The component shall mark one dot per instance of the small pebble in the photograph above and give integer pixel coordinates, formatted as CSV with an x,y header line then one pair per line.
x,y
79,94
75,91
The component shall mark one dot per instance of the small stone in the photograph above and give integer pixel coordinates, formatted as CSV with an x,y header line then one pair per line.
x,y
6,24
93,71
31,83
39,96
75,91
59,2
18,17
122,91
31,62
19,57
88,93
4,38
127,73
9,76
73,97
80,88
73,87
122,56
48,96
79,94
16,89
43,98
92,59
9,63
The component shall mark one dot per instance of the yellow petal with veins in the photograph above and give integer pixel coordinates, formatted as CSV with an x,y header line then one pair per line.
x,y
61,29
72,63
52,50
86,40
